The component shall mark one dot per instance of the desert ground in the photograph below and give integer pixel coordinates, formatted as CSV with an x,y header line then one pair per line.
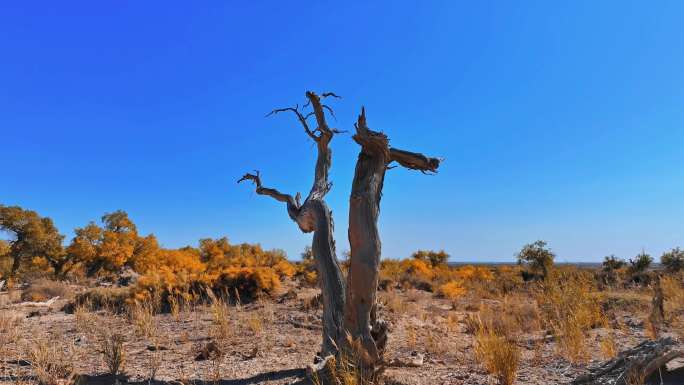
x,y
273,338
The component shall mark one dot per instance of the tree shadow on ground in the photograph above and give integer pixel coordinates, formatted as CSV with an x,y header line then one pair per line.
x,y
298,376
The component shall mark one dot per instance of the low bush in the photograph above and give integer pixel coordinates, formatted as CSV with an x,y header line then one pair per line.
x,y
43,289
115,300
673,260
569,310
451,290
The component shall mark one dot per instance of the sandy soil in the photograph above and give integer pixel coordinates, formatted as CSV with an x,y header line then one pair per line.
x,y
271,342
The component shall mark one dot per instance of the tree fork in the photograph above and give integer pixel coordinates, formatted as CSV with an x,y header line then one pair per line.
x,y
351,325
314,216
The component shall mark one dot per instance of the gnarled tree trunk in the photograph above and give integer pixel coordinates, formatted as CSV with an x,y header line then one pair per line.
x,y
350,319
361,316
314,216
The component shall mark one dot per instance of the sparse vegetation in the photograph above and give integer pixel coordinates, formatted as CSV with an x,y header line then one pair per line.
x,y
570,310
537,257
232,302
498,354
434,258
111,346
43,289
52,361
673,260
640,263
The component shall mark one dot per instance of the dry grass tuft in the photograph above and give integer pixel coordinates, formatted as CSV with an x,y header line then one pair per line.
x,y
393,302
508,318
472,323
255,323
609,348
9,328
52,362
499,355
346,369
221,328
141,316
111,346
635,376
569,310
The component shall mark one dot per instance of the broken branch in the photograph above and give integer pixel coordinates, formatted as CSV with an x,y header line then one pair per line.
x,y
414,160
293,204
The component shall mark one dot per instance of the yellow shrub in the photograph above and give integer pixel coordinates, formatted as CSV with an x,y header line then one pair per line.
x,y
419,268
267,279
391,272
247,281
285,269
311,277
451,290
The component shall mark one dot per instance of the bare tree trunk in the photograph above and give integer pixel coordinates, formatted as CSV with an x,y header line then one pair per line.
x,y
364,240
314,216
330,278
350,316
366,330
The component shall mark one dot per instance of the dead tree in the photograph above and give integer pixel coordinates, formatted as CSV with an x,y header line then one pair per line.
x,y
632,366
351,324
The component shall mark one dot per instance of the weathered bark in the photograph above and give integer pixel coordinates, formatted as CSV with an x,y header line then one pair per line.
x,y
350,316
361,318
638,362
364,240
314,216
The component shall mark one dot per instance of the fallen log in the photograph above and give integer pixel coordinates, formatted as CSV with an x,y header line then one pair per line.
x,y
36,304
639,362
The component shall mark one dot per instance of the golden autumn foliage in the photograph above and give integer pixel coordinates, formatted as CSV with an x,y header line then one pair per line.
x,y
305,270
418,268
106,250
470,272
241,272
432,275
451,290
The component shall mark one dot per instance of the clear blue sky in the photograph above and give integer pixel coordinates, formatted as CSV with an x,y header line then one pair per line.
x,y
561,121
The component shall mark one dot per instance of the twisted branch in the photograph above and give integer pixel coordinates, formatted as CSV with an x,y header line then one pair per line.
x,y
302,119
321,186
322,135
293,204
326,94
